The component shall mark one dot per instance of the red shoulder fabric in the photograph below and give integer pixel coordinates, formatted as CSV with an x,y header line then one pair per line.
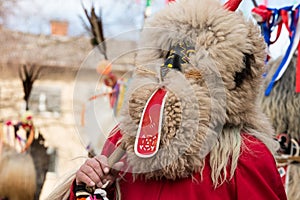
x,y
256,177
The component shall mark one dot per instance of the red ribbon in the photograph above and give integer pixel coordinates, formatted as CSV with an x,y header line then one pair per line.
x,y
278,33
232,5
263,12
285,19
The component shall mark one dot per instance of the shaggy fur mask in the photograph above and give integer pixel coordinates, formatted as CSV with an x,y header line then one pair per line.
x,y
214,91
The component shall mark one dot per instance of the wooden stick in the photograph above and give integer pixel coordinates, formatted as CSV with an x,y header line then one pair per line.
x,y
290,158
116,155
254,3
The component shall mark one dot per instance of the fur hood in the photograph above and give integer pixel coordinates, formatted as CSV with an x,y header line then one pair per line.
x,y
214,91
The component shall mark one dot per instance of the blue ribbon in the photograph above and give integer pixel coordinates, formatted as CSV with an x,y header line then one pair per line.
x,y
293,28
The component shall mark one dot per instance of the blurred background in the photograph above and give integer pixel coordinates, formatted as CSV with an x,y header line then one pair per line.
x,y
63,70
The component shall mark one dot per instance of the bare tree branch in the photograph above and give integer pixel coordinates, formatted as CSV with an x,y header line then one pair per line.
x,y
28,77
96,28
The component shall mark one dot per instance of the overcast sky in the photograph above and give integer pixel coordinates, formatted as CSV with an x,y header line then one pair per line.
x,y
118,15
34,15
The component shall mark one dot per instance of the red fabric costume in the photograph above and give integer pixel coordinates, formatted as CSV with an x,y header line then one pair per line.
x,y
256,177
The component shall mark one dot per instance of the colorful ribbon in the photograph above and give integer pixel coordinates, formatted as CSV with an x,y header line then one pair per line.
x,y
288,16
118,95
294,30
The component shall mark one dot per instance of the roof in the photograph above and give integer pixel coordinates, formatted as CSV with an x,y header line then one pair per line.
x,y
57,51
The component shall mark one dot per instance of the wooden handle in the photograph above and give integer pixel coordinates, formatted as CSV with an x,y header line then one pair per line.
x,y
116,155
290,158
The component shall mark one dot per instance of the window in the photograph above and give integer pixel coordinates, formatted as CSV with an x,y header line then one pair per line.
x,y
45,100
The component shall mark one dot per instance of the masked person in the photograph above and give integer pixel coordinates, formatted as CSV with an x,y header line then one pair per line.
x,y
191,127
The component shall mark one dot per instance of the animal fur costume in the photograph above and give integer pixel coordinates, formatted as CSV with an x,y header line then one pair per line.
x,y
18,174
282,107
215,142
